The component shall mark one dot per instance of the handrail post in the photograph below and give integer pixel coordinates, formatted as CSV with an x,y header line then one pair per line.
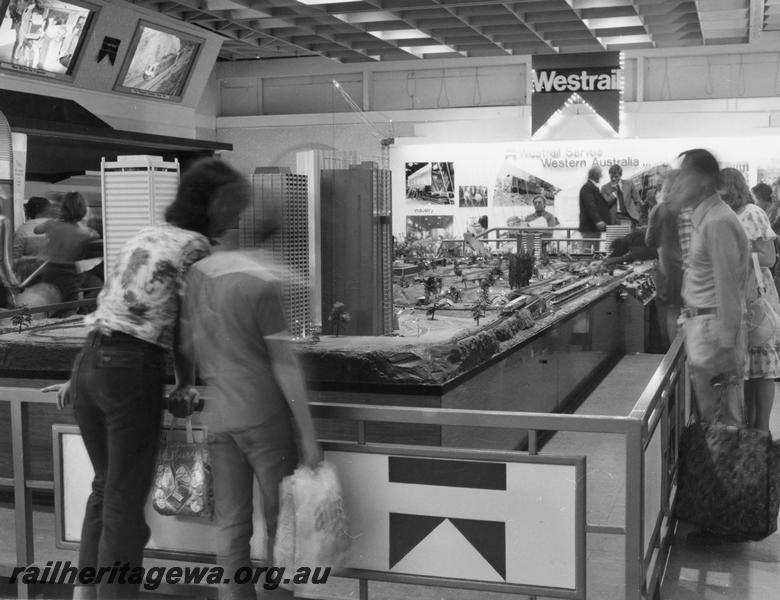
x,y
635,503
25,548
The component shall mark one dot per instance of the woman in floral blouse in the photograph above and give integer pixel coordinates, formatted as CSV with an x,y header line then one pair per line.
x,y
117,385
763,362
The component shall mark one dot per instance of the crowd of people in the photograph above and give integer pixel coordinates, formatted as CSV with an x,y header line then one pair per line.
x,y
716,241
48,246
221,316
614,203
709,228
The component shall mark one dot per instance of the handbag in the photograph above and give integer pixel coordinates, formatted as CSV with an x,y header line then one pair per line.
x,y
763,322
728,480
312,528
182,477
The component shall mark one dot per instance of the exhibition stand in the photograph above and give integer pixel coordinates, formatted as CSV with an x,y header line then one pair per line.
x,y
566,556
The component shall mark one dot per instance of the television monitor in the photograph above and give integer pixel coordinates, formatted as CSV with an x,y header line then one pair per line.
x,y
158,62
44,37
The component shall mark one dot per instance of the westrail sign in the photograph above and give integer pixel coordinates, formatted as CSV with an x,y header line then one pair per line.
x,y
594,77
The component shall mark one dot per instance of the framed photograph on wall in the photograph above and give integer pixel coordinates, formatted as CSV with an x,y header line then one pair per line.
x,y
159,62
44,37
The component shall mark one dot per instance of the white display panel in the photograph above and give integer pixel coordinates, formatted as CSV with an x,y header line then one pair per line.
x,y
502,518
175,534
537,510
653,486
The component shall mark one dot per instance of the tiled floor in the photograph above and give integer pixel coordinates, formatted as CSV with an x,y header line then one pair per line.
x,y
746,571
606,468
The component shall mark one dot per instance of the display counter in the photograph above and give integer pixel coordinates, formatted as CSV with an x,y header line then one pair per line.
x,y
497,365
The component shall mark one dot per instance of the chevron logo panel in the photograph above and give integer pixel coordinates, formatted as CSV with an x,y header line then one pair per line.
x,y
464,518
467,546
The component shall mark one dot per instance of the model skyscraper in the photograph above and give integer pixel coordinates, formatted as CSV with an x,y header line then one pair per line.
x,y
357,247
282,195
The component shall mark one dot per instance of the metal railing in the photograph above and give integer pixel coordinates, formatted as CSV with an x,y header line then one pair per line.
x,y
650,435
558,240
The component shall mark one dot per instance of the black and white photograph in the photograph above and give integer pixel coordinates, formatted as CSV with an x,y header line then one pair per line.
x,y
159,62
477,224
430,183
472,196
42,36
429,227
769,175
518,188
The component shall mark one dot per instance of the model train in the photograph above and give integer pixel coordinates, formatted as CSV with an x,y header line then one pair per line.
x,y
154,68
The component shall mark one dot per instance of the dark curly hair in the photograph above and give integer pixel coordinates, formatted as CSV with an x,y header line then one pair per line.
x,y
210,198
73,207
37,205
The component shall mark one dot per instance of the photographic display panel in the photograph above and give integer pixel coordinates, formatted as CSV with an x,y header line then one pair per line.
x,y
44,37
446,191
159,62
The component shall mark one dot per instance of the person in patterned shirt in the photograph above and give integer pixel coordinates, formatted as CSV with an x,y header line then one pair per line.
x,y
116,385
762,363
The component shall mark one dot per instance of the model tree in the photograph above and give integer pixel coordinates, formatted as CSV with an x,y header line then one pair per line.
x,y
454,294
432,287
338,316
22,318
526,266
521,267
431,311
512,277
456,270
478,310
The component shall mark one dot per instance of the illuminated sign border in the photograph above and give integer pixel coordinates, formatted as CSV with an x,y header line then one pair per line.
x,y
593,79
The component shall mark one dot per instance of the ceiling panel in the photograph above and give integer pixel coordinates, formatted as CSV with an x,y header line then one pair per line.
x,y
353,31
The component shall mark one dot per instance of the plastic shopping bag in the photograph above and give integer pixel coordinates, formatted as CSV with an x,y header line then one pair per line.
x,y
182,478
312,530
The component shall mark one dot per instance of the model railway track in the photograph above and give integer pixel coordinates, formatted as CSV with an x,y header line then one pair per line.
x,y
569,292
9,313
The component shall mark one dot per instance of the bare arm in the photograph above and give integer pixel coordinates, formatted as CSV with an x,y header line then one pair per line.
x,y
766,252
184,397
63,393
652,224
289,376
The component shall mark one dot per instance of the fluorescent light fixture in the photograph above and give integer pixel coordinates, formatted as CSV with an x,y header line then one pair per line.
x,y
314,2
613,22
423,50
612,40
399,34
366,17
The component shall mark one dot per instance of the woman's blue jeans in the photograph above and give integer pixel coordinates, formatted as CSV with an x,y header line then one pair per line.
x,y
117,390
